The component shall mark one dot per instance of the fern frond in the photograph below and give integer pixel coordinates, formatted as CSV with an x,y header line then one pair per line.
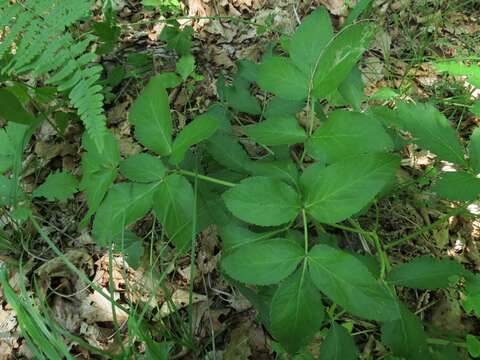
x,y
45,48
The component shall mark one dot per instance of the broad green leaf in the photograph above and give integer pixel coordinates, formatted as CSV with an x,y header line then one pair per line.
x,y
11,109
10,192
174,205
169,79
474,151
263,263
18,137
338,345
431,130
405,336
384,94
99,171
355,13
282,130
473,345
6,152
58,186
296,312
238,95
310,39
454,68
426,273
281,107
279,76
150,113
124,204
347,133
199,129
340,56
177,39
277,169
211,209
475,109
352,89
471,300
131,246
247,70
347,282
457,186
142,168
263,201
338,191
442,352
227,151
240,99
234,235
94,161
185,66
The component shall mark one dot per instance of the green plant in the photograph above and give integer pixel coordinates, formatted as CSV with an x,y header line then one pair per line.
x,y
353,165
276,207
37,41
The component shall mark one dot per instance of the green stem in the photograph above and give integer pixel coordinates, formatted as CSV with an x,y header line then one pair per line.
x,y
446,342
305,231
205,178
381,255
427,228
312,116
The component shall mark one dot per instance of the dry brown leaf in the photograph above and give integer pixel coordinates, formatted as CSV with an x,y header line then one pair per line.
x,y
180,299
96,308
337,7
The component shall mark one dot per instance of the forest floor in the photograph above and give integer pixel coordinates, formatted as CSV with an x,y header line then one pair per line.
x,y
221,324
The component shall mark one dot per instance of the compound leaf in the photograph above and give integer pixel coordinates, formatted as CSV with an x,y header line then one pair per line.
x,y
150,113
263,263
282,130
199,129
473,345
6,152
352,89
99,171
227,151
336,192
58,186
142,168
474,150
338,345
458,186
349,283
279,76
281,107
310,40
405,336
10,191
124,204
263,201
431,130
185,66
174,205
426,273
471,301
296,311
340,56
11,109
347,133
